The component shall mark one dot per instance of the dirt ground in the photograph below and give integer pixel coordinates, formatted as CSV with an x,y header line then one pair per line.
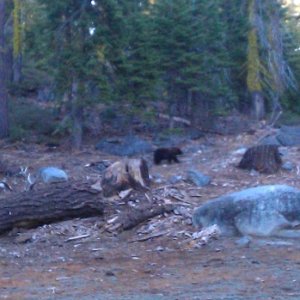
x,y
46,263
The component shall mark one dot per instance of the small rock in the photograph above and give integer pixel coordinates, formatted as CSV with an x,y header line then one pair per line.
x,y
175,179
159,248
109,273
52,174
185,212
198,178
188,222
157,178
254,173
243,242
240,151
288,166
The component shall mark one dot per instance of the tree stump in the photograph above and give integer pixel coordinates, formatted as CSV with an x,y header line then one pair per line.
x,y
262,158
125,174
55,202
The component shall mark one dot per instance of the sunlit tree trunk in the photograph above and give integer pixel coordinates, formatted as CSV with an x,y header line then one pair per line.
x,y
3,76
17,42
254,66
281,76
76,116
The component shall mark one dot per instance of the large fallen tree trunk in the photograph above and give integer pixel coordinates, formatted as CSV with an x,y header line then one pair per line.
x,y
52,203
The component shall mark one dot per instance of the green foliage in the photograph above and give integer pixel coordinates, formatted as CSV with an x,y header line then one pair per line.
x,y
289,118
290,98
17,28
108,114
26,119
177,51
189,49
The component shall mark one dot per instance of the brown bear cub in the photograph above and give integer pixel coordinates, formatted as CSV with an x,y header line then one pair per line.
x,y
169,154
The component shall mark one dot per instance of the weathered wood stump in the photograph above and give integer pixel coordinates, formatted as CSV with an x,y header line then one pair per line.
x,y
55,202
125,174
262,158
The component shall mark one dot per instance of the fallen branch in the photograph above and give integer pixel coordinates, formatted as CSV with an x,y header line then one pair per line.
x,y
135,216
78,237
176,119
150,236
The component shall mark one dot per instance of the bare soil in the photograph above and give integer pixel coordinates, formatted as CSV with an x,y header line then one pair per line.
x,y
46,263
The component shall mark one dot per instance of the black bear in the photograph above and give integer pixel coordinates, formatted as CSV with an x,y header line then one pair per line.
x,y
169,154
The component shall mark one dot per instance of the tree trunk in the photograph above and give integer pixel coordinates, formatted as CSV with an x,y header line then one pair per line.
x,y
17,42
17,69
258,105
3,76
53,203
77,117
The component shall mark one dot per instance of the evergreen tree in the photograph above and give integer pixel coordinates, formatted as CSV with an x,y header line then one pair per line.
x,y
74,57
187,38
17,41
4,126
268,72
137,72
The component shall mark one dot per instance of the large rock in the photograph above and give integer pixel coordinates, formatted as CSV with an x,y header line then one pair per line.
x,y
271,210
285,136
126,146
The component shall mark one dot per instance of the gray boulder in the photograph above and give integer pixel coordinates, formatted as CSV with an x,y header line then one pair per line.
x,y
286,136
175,179
288,166
271,210
52,174
198,178
125,146
271,140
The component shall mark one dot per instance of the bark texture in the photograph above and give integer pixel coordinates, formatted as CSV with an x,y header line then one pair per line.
x,y
3,76
262,158
52,203
122,175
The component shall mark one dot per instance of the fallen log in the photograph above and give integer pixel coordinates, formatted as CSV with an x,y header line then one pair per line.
x,y
133,216
136,216
52,203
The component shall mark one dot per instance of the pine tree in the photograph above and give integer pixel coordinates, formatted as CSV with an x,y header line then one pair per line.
x,y
67,26
17,42
187,39
4,126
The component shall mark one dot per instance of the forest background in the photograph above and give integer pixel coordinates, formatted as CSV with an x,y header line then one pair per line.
x,y
65,63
